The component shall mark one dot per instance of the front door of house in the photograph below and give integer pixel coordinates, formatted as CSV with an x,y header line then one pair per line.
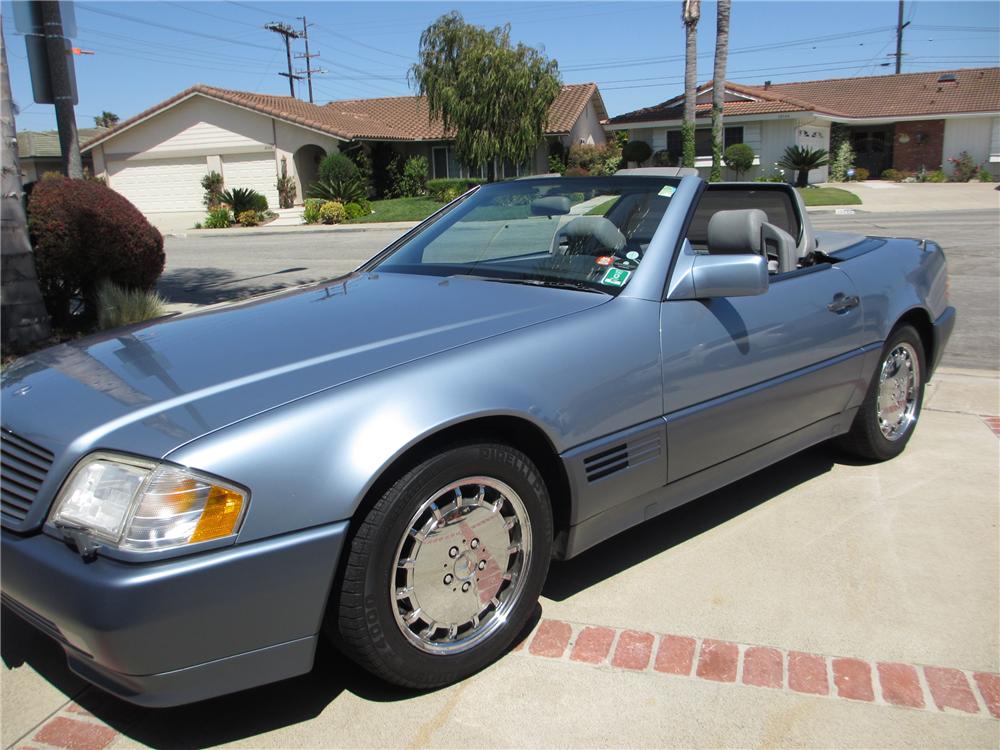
x,y
872,149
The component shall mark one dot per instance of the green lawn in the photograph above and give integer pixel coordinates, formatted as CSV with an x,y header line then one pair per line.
x,y
399,209
828,197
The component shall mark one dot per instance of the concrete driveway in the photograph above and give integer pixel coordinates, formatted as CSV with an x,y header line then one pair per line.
x,y
817,603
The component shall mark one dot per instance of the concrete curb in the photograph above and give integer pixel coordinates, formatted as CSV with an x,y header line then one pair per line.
x,y
290,230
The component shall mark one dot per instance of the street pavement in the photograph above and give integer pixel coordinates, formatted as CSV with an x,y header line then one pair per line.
x,y
204,267
825,602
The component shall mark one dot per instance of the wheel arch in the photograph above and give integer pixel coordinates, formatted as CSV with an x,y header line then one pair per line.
x,y
920,319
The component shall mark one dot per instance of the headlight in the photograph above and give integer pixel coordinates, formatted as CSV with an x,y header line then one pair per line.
x,y
140,505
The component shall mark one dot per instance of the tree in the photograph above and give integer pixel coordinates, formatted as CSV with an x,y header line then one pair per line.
x,y
739,158
106,120
719,85
25,323
802,159
495,96
690,16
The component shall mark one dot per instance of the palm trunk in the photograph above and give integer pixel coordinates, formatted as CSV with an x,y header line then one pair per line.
x,y
690,16
23,320
719,86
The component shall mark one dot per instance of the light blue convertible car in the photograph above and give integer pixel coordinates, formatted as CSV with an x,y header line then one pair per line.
x,y
392,458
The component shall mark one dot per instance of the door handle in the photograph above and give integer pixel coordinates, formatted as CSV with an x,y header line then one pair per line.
x,y
842,303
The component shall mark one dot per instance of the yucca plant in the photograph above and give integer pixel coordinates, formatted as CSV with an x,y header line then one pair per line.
x,y
340,189
802,159
119,306
243,199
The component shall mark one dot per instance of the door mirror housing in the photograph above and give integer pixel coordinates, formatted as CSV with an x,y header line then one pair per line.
x,y
734,275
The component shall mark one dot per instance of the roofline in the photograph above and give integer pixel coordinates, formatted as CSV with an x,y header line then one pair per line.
x,y
183,97
812,115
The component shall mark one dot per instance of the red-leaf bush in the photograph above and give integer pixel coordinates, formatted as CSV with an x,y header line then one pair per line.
x,y
83,232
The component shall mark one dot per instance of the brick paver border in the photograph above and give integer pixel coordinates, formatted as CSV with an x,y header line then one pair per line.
x,y
918,687
992,422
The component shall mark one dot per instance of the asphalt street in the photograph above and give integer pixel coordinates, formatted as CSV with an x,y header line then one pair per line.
x,y
208,268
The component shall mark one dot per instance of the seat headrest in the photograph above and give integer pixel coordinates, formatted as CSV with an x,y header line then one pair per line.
x,y
601,229
736,231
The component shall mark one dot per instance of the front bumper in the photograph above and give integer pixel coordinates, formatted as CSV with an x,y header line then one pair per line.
x,y
184,629
943,327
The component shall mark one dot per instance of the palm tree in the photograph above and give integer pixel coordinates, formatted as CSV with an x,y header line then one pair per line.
x,y
25,322
719,85
802,159
690,16
106,119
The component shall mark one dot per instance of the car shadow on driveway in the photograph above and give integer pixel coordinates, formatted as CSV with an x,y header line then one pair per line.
x,y
272,707
677,526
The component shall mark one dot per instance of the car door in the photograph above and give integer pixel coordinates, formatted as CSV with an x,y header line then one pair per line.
x,y
739,372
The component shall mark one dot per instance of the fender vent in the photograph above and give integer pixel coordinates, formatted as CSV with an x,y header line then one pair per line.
x,y
23,466
622,456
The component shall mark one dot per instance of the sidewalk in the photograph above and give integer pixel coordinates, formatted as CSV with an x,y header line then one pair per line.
x,y
270,229
881,196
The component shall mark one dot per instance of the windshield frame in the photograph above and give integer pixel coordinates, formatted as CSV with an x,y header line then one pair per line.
x,y
650,184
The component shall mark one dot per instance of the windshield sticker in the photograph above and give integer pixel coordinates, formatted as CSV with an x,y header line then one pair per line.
x,y
616,277
667,191
632,255
605,260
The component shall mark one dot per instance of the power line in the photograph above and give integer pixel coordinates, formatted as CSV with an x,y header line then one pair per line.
x,y
288,33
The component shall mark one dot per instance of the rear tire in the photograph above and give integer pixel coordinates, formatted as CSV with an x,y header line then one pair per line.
x,y
885,422
446,568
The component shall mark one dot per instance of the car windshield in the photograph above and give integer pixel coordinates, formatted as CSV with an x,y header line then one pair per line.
x,y
587,233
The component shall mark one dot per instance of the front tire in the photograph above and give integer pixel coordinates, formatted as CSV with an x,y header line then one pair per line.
x,y
446,568
885,422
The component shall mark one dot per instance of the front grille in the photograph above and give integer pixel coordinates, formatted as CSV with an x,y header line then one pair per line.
x,y
23,466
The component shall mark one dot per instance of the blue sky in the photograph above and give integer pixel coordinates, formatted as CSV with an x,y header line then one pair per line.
x,y
148,51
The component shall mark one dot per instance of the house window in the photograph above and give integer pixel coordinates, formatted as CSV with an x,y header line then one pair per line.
x,y
703,140
440,158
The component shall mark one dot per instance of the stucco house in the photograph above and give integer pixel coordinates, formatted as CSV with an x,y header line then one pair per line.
x,y
157,158
908,122
39,152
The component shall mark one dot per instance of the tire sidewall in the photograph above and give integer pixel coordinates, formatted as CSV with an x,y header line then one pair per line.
x,y
884,447
400,656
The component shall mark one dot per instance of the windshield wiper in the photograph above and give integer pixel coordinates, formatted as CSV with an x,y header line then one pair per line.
x,y
578,286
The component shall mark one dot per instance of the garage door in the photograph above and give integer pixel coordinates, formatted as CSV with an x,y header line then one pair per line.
x,y
252,171
161,184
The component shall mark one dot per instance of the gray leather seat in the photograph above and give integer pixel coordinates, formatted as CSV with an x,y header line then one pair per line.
x,y
748,231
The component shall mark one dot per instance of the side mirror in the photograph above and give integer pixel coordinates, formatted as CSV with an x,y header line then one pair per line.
x,y
737,275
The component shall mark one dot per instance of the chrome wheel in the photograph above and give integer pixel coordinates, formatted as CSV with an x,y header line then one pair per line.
x,y
898,391
460,567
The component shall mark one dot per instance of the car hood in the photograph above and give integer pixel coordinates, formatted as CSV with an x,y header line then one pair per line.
x,y
149,388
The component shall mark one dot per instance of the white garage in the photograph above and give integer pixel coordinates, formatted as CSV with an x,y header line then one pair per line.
x,y
158,185
257,171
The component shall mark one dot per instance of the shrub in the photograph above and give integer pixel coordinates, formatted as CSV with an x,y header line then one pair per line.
x,y
354,210
664,158
285,186
310,210
213,186
332,212
52,174
963,168
984,175
445,190
249,218
893,174
82,232
357,154
337,166
243,199
842,160
937,175
413,179
576,172
340,189
259,203
218,218
802,160
119,306
556,165
594,159
637,151
739,158
861,174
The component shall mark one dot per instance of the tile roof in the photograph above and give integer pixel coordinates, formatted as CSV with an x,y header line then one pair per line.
x,y
45,143
400,118
908,94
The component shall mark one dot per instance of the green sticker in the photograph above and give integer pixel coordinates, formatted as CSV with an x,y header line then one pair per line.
x,y
667,190
616,277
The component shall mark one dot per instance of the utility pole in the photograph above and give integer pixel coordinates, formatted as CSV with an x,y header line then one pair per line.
x,y
57,52
899,39
309,69
288,33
